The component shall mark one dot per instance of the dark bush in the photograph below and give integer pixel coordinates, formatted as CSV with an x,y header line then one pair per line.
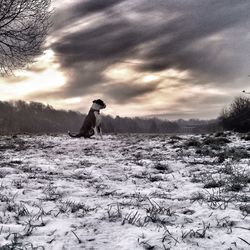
x,y
192,142
220,134
216,140
246,137
237,116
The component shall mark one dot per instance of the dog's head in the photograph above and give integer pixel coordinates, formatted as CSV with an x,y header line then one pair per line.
x,y
98,104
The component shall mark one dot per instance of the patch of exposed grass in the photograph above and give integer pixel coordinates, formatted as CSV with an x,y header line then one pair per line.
x,y
51,194
197,233
163,168
192,142
237,181
74,207
219,141
245,209
212,183
196,178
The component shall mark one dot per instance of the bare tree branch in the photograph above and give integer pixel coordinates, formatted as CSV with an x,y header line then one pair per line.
x,y
23,28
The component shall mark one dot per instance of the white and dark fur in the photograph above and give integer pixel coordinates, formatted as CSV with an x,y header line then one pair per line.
x,y
92,122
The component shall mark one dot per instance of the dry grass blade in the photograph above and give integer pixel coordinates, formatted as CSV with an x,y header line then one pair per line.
x,y
244,241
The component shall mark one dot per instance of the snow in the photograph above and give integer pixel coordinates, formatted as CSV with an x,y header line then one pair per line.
x,y
122,192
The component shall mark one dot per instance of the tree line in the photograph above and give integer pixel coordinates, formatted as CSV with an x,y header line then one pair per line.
x,y
35,117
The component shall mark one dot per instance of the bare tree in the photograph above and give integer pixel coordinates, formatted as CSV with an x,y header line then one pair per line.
x,y
23,29
237,116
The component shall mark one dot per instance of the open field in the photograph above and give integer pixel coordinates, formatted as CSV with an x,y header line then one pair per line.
x,y
125,192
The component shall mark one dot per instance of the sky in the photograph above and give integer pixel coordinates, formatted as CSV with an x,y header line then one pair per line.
x,y
169,58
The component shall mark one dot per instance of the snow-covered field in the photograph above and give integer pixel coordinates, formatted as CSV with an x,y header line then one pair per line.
x,y
125,192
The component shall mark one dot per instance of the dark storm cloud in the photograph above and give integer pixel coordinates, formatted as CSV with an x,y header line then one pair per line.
x,y
205,37
127,92
104,41
88,7
187,48
78,10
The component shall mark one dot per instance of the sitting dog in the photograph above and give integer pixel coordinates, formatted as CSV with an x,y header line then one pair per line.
x,y
92,122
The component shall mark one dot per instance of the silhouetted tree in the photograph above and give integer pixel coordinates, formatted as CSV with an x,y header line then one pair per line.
x,y
237,116
23,29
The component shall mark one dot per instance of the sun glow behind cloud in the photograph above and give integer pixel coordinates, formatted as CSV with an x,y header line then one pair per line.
x,y
43,76
173,89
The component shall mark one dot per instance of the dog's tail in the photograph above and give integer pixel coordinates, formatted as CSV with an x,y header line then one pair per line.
x,y
74,135
90,133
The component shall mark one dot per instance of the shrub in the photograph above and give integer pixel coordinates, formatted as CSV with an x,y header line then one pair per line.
x,y
237,116
192,142
216,140
219,134
246,137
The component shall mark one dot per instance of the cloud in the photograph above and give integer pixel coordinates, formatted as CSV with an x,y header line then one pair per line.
x,y
128,92
190,42
13,79
80,9
206,38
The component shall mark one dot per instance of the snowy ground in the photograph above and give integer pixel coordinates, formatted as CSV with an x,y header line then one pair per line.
x,y
125,192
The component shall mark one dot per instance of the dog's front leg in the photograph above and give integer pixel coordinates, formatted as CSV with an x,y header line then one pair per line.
x,y
96,132
100,132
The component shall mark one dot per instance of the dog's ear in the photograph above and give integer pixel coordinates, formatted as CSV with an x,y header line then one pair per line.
x,y
100,102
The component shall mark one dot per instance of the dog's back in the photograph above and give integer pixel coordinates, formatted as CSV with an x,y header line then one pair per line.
x,y
89,123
